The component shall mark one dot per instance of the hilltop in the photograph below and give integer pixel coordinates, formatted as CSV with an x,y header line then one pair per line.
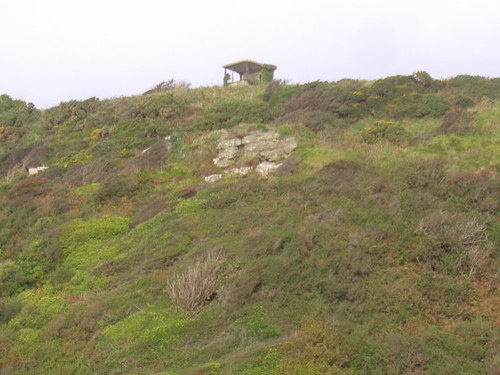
x,y
345,227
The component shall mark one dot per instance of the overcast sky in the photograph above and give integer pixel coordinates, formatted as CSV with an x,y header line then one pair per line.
x,y
57,50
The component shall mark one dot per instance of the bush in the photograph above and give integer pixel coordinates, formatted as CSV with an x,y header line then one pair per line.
x,y
196,286
171,84
477,86
384,130
464,102
456,121
314,349
455,242
231,113
114,189
9,307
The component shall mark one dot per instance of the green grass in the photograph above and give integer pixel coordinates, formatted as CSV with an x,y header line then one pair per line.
x,y
338,264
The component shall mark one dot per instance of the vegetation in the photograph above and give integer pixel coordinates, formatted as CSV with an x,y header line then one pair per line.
x,y
372,250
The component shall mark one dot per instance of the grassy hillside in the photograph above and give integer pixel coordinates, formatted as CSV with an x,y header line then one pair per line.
x,y
373,249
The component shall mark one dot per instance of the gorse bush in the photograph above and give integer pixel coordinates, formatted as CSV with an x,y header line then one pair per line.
x,y
384,130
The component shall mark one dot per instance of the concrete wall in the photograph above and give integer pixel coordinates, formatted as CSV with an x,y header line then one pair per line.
x,y
252,77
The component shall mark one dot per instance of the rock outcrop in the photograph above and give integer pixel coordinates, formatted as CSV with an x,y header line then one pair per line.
x,y
228,151
267,147
267,167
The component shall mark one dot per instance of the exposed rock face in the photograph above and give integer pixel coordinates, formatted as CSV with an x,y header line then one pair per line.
x,y
268,147
267,167
213,178
228,151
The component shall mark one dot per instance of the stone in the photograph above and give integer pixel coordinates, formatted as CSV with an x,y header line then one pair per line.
x,y
242,171
35,170
228,151
268,146
265,168
213,178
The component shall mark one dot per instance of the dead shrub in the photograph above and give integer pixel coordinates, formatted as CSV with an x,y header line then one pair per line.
x,y
340,171
456,121
31,187
151,158
423,173
168,85
478,189
96,170
188,192
456,239
197,285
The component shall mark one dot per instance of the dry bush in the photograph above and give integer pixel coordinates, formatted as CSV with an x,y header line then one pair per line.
x,y
455,234
151,158
96,170
456,121
168,85
197,285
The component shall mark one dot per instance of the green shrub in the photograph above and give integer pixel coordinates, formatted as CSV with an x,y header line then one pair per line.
x,y
314,349
384,130
231,113
464,102
477,86
9,307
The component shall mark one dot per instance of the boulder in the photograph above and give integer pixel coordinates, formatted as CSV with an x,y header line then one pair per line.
x,y
213,178
268,146
228,151
265,168
242,171
35,170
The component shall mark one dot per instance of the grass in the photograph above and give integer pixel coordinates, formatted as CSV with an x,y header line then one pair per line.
x,y
349,260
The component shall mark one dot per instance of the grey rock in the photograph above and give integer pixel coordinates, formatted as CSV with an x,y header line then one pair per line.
x,y
213,178
265,168
242,171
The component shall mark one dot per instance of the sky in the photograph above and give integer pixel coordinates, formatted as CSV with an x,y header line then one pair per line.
x,y
59,50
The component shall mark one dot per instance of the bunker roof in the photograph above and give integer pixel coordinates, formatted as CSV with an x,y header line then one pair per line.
x,y
248,66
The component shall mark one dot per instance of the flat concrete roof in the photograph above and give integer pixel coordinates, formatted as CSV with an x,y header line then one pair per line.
x,y
248,66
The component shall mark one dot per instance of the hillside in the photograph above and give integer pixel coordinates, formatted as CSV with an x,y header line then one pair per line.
x,y
369,247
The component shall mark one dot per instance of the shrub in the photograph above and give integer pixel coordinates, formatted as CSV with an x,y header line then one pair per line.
x,y
455,242
423,174
197,285
31,187
464,102
456,121
168,85
116,188
382,129
9,307
477,86
424,79
231,113
325,97
314,349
